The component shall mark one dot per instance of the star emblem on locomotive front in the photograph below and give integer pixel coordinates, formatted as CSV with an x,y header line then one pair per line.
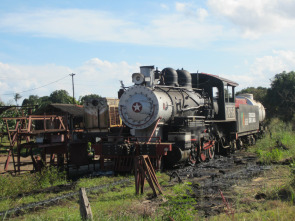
x,y
137,107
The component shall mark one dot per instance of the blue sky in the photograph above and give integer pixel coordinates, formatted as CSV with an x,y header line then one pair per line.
x,y
103,42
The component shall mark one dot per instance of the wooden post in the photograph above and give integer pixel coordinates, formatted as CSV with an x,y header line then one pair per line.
x,y
144,171
85,209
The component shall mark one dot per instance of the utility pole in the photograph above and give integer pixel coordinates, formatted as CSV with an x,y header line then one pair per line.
x,y
73,87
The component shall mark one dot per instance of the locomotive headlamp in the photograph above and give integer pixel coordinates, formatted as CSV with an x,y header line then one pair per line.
x,y
137,78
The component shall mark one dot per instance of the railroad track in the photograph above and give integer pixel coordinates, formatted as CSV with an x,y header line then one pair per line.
x,y
51,201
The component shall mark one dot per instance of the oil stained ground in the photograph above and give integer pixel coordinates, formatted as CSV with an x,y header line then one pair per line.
x,y
211,178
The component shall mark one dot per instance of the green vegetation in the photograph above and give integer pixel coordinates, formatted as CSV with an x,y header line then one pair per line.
x,y
278,144
110,203
279,99
180,204
259,93
11,186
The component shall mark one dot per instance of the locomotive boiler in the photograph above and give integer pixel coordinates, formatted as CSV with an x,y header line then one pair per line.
x,y
193,115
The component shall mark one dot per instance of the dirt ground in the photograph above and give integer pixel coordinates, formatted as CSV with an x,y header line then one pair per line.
x,y
214,181
26,160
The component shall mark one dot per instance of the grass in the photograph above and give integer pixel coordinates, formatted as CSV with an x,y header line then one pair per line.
x,y
278,145
272,205
180,204
120,202
279,211
11,186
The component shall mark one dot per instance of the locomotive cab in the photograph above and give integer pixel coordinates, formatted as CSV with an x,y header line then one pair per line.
x,y
221,93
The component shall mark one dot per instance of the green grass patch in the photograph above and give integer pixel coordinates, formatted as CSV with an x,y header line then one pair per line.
x,y
277,145
121,203
11,186
180,205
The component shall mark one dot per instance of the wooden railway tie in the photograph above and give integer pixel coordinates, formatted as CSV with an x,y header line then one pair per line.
x,y
143,169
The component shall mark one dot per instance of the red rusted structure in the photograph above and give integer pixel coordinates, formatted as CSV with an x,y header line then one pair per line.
x,y
119,156
143,170
49,128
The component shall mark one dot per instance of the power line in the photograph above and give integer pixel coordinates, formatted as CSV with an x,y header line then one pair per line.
x,y
37,87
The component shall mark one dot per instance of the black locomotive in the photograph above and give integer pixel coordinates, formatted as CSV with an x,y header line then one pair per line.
x,y
184,116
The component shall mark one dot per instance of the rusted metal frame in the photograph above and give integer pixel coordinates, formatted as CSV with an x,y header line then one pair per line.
x,y
16,130
149,140
122,163
61,122
149,167
34,117
144,170
18,152
8,132
30,124
10,153
36,132
146,173
229,209
139,175
13,118
19,132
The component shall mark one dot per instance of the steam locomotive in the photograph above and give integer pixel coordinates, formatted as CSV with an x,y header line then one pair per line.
x,y
176,116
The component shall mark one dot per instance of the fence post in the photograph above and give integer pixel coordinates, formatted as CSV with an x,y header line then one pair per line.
x,y
85,209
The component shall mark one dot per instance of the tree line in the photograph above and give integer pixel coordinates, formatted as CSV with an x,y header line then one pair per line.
x,y
279,99
35,102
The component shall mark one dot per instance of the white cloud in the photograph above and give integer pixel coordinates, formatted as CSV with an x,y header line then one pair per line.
x,y
102,77
164,6
256,17
93,77
189,9
270,65
263,69
182,28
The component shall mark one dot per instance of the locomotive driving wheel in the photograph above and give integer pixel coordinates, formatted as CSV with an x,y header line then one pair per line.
x,y
202,153
211,150
207,151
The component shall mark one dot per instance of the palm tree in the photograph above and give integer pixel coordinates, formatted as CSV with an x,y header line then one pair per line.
x,y
17,96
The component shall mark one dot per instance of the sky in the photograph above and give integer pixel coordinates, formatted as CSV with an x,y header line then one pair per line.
x,y
103,42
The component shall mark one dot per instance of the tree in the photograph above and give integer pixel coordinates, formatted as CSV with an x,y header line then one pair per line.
x,y
280,100
60,96
31,101
259,93
16,97
88,97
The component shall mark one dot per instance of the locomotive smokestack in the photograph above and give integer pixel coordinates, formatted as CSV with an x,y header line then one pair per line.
x,y
148,72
